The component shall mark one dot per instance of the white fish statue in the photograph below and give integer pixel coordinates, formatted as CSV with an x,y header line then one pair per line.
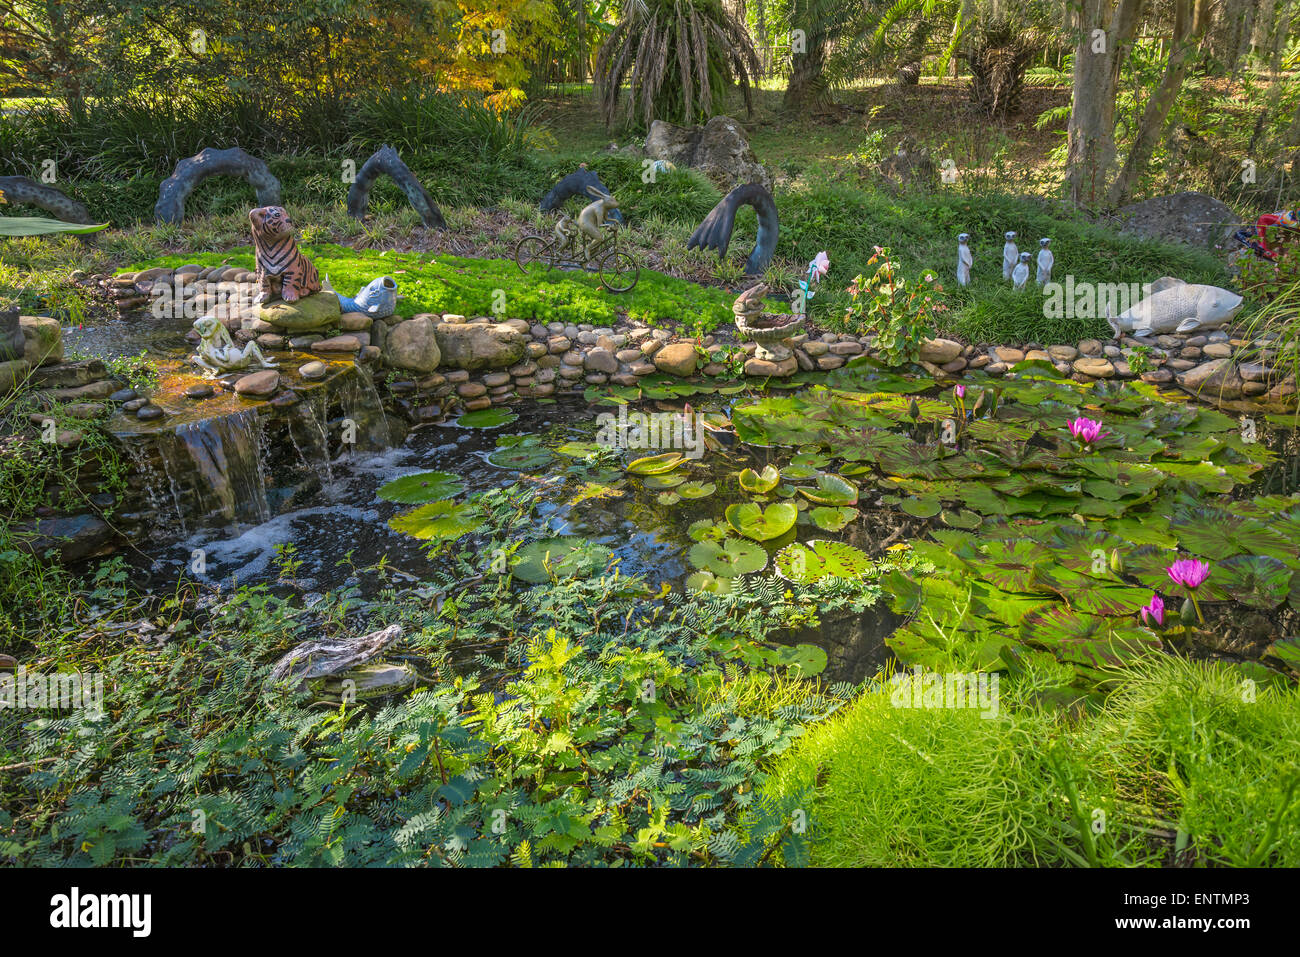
x,y
1020,275
964,259
1171,305
1010,254
1045,262
377,299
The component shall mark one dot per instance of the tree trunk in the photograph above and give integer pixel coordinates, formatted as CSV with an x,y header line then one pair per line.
x,y
1189,23
1091,147
808,91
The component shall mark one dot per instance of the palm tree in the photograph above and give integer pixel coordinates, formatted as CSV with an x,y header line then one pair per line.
x,y
678,57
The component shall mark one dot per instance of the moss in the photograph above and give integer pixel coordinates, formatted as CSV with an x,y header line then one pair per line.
x,y
473,287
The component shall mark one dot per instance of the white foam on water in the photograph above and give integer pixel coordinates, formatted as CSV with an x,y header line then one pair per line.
x,y
250,554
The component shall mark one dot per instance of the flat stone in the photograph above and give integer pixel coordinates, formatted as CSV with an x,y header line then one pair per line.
x,y
1063,353
650,347
474,405
1217,378
641,368
148,412
93,390
123,395
1217,350
1097,368
269,340
829,363
313,370
816,348
202,390
133,405
957,365
846,348
557,345
494,379
535,350
286,399
1254,388
259,384
479,346
1158,376
304,342
1008,355
628,355
1181,365
1254,372
66,375
765,368
471,390
355,322
996,368
679,359
320,310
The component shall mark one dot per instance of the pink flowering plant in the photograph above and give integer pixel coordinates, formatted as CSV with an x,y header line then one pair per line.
x,y
1153,612
1191,574
898,311
1087,432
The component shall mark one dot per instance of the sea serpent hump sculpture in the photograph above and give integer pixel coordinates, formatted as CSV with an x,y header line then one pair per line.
x,y
715,232
386,160
25,190
577,184
174,190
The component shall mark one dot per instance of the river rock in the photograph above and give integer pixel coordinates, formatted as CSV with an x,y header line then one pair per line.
x,y
313,370
413,345
320,310
939,351
64,375
767,368
1217,379
677,358
1191,218
42,340
74,537
258,384
344,343
149,412
203,390
476,346
1094,366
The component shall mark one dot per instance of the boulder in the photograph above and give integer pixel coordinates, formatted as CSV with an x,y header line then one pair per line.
x,y
1217,379
719,149
67,375
74,537
43,340
678,358
320,310
12,340
413,345
476,345
1192,218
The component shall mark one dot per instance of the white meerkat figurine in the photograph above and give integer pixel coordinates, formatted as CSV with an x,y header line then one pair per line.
x,y
1045,262
1020,275
964,259
1009,254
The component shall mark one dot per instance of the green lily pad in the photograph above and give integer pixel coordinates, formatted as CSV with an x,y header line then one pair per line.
x,y
807,659
832,490
832,519
579,450
445,520
668,498
665,481
522,458
421,487
759,483
762,524
707,529
562,558
925,506
1256,580
706,581
696,489
486,419
805,564
730,558
656,464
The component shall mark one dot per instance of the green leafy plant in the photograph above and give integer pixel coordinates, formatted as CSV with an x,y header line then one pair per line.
x,y
900,313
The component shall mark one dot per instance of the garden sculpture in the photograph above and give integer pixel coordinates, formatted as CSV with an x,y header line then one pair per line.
x,y
768,334
1171,305
282,270
218,352
1010,254
576,184
377,299
1020,275
595,221
820,265
964,259
1045,262
1284,219
715,231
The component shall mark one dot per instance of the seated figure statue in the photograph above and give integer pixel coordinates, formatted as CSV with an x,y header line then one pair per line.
x,y
218,353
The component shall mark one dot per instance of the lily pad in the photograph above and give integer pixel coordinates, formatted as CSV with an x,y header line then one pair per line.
x,y
522,457
421,487
805,564
759,483
445,520
832,519
762,524
730,558
486,419
707,529
656,464
832,490
562,558
925,506
665,481
706,581
807,659
696,489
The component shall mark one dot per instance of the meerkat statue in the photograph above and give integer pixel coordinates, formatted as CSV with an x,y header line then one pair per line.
x,y
1020,275
964,259
1045,262
1009,254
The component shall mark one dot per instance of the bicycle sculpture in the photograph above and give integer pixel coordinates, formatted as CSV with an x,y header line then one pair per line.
x,y
591,243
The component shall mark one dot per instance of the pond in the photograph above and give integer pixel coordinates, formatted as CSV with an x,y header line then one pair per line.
x,y
979,521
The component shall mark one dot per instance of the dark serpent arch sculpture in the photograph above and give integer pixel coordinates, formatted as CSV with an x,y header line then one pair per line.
x,y
25,190
715,232
386,160
577,184
189,172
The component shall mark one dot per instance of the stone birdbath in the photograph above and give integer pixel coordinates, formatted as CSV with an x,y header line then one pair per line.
x,y
769,332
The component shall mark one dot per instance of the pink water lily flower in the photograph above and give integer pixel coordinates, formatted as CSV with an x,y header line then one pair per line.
x,y
1087,431
820,264
1189,572
959,391
1153,611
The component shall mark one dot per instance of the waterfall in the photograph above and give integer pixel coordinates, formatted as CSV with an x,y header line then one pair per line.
x,y
226,456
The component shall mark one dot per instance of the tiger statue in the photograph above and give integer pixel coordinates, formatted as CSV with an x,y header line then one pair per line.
x,y
282,269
